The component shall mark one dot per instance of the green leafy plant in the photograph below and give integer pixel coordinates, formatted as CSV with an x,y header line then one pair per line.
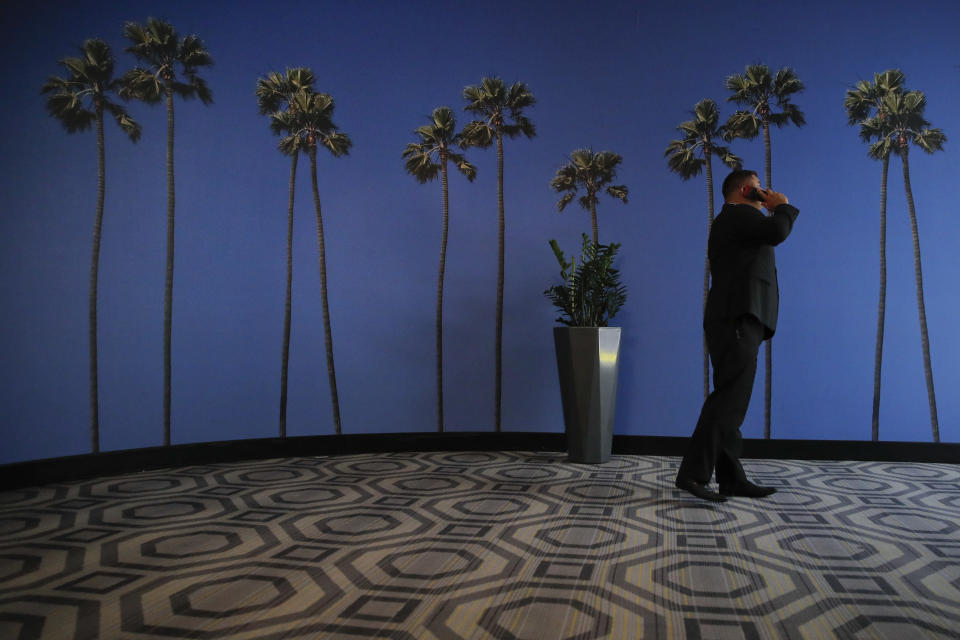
x,y
591,293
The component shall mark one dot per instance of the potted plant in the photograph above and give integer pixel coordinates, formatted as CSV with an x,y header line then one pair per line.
x,y
587,349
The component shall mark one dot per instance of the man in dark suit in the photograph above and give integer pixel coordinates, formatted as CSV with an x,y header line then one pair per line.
x,y
741,313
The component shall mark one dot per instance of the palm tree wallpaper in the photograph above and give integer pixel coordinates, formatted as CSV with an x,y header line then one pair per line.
x,y
688,156
766,99
425,160
501,115
275,93
309,125
591,173
898,124
867,99
158,46
79,101
429,295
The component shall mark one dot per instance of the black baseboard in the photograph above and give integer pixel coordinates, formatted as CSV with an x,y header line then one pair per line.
x,y
774,449
38,472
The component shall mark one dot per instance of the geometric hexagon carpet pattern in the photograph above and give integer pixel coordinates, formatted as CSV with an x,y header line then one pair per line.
x,y
504,545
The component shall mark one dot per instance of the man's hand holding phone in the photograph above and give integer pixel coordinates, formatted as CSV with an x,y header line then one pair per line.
x,y
773,199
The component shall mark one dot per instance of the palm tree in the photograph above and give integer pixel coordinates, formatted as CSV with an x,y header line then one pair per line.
x,y
687,157
274,93
78,101
308,123
591,172
425,160
900,122
501,109
759,91
860,103
162,50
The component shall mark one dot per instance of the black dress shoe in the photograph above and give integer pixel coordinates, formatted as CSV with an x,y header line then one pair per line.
x,y
746,490
699,490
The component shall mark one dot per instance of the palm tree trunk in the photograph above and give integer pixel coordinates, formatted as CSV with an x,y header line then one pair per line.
x,y
500,256
882,304
593,224
168,284
94,281
768,356
706,275
285,357
443,262
924,338
327,337
767,155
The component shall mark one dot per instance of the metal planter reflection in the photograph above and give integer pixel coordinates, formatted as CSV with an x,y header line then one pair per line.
x,y
587,361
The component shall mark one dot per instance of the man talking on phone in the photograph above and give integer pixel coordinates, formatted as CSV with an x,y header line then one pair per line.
x,y
741,313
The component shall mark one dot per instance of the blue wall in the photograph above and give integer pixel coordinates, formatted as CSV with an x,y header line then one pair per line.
x,y
617,79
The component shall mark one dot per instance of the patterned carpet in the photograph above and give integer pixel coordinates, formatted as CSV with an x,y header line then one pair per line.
x,y
445,546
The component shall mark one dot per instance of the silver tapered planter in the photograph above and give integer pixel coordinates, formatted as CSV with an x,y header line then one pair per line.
x,y
587,361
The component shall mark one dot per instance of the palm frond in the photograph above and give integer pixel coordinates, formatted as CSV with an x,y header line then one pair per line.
x,y
140,84
338,143
786,84
282,122
565,179
192,53
742,124
68,108
136,33
565,200
158,46
727,157
420,166
487,98
183,90
607,162
880,149
444,121
794,114
129,126
588,171
875,127
587,200
736,84
477,133
493,100
523,126
292,144
436,139
682,160
273,91
706,114
687,156
75,100
674,147
464,167
930,140
123,119
619,192
756,89
201,89
868,97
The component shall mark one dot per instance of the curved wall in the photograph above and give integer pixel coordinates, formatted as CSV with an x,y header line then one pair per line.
x,y
382,233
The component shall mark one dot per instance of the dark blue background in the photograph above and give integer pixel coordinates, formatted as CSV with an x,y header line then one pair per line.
x,y
619,76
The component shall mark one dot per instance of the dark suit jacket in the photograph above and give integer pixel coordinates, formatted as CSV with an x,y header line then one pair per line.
x,y
743,265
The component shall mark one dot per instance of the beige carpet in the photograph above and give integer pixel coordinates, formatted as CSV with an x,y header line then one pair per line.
x,y
483,545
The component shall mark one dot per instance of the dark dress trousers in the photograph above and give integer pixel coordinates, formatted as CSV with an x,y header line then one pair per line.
x,y
741,313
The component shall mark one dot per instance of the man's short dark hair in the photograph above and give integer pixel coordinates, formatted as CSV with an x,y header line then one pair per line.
x,y
733,181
